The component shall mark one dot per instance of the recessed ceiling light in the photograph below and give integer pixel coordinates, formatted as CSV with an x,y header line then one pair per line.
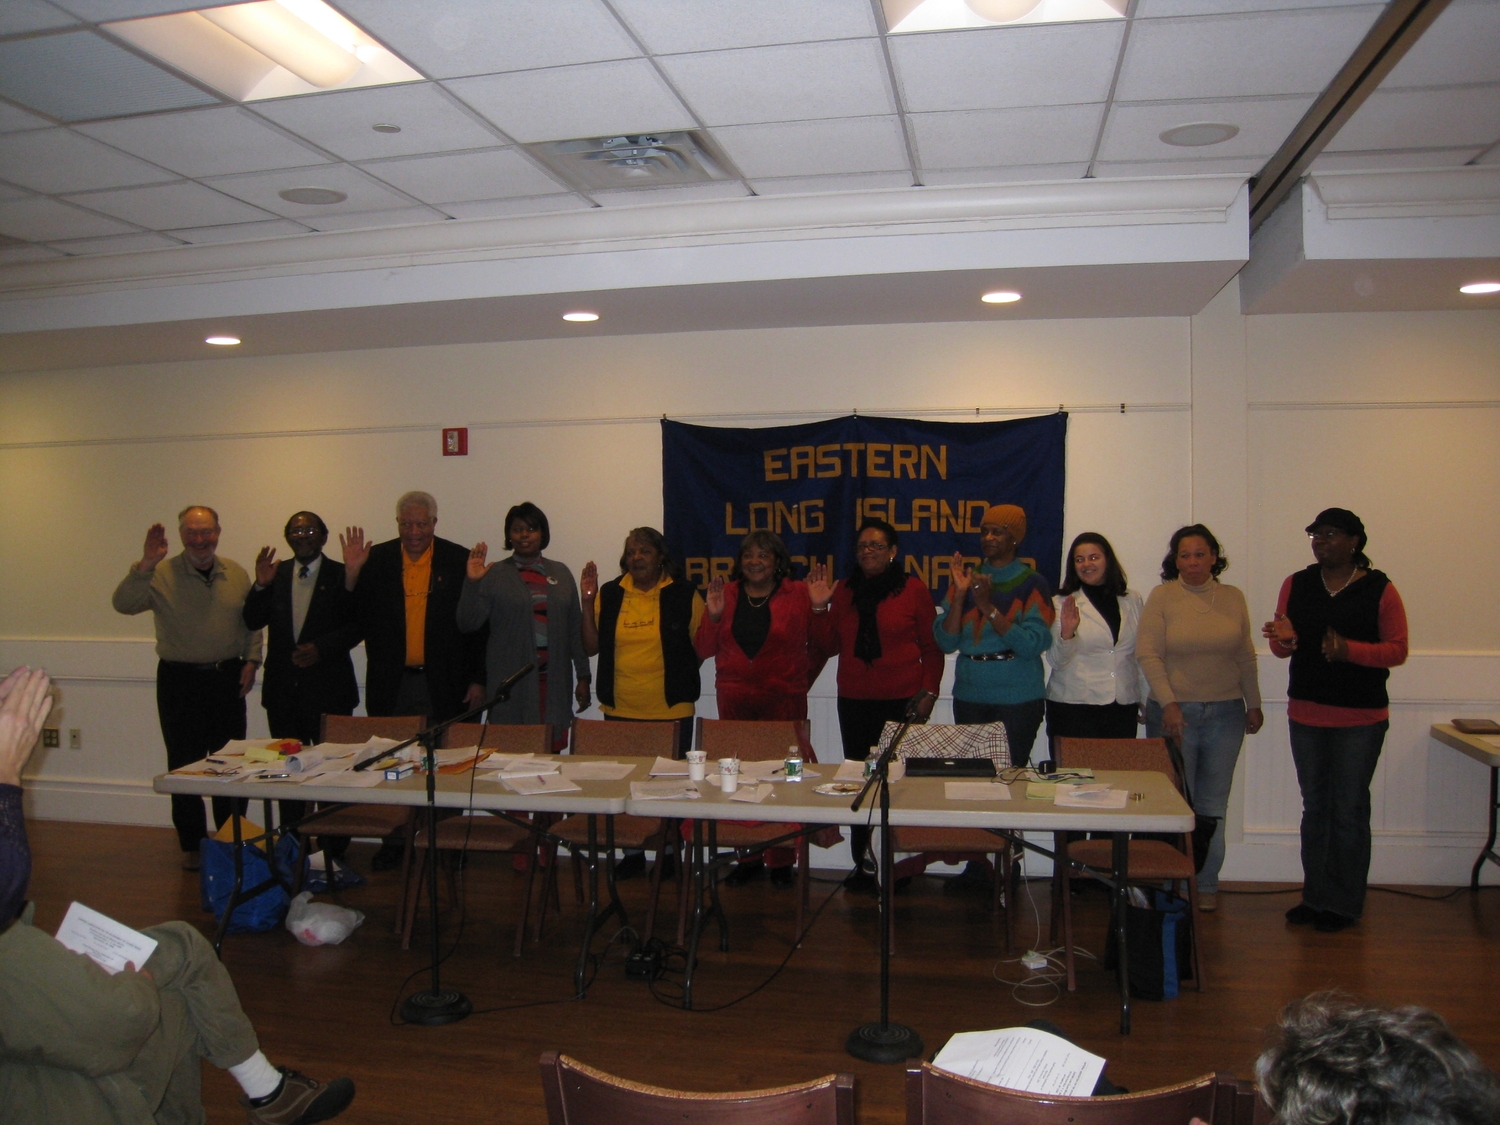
x,y
944,15
313,195
1001,297
1479,287
580,317
222,341
383,128
1200,133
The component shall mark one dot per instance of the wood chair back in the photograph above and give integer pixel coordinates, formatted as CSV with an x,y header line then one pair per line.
x,y
529,738
628,740
1118,754
935,1097
751,741
580,1095
358,728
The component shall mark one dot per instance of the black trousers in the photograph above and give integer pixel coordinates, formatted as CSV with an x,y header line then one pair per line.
x,y
1086,720
860,724
301,719
200,709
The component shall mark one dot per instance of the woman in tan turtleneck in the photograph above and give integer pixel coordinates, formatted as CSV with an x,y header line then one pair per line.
x,y
1195,648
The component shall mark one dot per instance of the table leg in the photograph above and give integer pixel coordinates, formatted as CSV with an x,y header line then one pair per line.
x,y
1120,853
615,905
699,866
588,925
714,907
234,891
1488,851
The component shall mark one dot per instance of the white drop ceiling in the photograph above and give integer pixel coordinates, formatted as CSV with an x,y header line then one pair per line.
x,y
106,154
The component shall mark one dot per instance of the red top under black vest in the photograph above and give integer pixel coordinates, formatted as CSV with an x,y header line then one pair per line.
x,y
1355,614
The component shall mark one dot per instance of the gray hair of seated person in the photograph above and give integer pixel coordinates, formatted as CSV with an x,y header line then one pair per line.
x,y
417,500
1340,1062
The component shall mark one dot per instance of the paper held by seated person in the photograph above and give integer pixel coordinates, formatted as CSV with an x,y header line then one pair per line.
x,y
111,945
1022,1058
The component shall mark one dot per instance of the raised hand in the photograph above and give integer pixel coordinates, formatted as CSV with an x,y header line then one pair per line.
x,y
960,577
588,582
1069,618
477,568
714,598
265,566
155,550
1280,630
356,553
819,589
25,700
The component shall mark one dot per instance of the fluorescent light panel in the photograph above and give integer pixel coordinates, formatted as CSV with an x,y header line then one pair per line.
x,y
268,49
903,16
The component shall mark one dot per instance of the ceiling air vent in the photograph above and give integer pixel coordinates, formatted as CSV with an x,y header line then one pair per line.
x,y
646,160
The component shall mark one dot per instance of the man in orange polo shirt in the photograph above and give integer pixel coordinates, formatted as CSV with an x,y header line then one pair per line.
x,y
406,594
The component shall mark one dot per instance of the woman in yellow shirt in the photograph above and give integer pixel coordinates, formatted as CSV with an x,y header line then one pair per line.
x,y
641,626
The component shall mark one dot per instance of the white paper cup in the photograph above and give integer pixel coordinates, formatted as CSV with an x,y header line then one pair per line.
x,y
697,765
729,774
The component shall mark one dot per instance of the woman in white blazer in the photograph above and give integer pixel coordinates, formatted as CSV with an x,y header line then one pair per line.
x,y
1096,687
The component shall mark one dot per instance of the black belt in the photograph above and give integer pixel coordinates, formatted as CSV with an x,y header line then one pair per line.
x,y
234,663
984,657
415,669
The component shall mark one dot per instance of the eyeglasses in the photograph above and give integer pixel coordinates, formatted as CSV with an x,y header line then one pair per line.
x,y
1327,533
301,532
870,548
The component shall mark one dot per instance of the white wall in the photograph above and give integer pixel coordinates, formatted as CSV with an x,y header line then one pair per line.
x,y
90,458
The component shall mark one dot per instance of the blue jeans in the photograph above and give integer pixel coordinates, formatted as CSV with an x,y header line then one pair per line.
x,y
1022,721
1334,768
1211,739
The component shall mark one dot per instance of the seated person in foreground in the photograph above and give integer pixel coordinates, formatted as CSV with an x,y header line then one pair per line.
x,y
1339,1062
79,1046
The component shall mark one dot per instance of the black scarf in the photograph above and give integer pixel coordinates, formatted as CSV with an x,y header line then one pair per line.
x,y
1108,606
868,594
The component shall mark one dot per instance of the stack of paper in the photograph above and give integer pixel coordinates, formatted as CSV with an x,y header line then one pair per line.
x,y
850,769
1097,795
597,771
526,767
496,760
668,767
975,791
1022,1058
663,790
539,784
752,794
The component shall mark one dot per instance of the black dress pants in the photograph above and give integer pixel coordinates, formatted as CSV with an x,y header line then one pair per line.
x,y
860,724
200,710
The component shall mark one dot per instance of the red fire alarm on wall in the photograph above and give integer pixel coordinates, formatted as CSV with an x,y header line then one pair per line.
x,y
456,442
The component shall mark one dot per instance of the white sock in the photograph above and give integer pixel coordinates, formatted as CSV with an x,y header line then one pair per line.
x,y
256,1076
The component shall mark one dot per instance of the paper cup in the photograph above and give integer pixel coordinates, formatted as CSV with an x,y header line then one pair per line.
x,y
729,774
697,765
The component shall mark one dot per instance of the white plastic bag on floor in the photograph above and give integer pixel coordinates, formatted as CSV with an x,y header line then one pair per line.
x,y
320,923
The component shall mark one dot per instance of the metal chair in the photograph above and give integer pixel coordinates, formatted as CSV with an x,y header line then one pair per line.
x,y
1150,861
580,1095
935,1097
479,832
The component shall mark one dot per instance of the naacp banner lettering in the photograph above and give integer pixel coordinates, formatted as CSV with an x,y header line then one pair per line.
x,y
814,484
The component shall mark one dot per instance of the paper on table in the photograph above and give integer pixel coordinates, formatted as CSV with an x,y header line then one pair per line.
x,y
597,771
496,760
753,794
1096,796
667,767
975,791
850,769
529,767
344,779
663,790
1041,790
1022,1058
110,944
539,785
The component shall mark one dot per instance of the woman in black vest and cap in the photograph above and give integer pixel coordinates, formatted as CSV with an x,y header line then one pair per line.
x,y
1343,625
641,626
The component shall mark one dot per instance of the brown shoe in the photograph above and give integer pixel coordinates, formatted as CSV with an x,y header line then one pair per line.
x,y
301,1100
1207,904
190,861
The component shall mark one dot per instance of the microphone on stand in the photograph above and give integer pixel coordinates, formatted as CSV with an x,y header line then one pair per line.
x,y
502,693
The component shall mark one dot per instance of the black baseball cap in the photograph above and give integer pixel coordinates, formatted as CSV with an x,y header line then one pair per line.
x,y
1341,519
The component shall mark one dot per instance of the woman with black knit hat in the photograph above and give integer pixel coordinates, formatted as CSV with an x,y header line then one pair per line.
x,y
1343,625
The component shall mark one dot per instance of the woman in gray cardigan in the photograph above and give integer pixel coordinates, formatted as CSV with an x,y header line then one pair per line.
x,y
531,606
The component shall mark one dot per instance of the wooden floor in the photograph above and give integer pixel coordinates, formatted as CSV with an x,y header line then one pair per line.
x,y
328,1010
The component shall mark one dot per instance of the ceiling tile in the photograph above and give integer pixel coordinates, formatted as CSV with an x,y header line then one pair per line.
x,y
341,122
572,102
1133,132
1002,67
1147,9
370,220
13,119
240,232
170,205
816,185
205,142
674,26
17,16
100,10
997,138
27,252
41,220
261,188
122,244
80,75
1423,119
8,192
464,37
1462,46
1235,56
678,193
799,82
504,208
465,176
1409,158
1207,166
815,148
1011,174
56,160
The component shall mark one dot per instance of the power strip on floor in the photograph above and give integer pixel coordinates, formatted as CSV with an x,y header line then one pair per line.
x,y
1034,960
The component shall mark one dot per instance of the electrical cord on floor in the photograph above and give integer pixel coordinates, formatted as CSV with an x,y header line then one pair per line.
x,y
1044,980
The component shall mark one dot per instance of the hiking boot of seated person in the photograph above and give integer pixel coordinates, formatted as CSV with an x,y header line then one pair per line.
x,y
300,1100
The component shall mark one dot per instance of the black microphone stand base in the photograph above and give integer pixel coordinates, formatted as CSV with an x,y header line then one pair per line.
x,y
888,1043
433,1009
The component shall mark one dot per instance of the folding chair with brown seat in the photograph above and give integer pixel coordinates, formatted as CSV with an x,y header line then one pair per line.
x,y
1150,861
618,740
935,1097
756,742
580,1095
980,740
378,821
479,832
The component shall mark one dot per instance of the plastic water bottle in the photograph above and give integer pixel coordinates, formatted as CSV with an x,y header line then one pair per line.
x,y
874,756
792,768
